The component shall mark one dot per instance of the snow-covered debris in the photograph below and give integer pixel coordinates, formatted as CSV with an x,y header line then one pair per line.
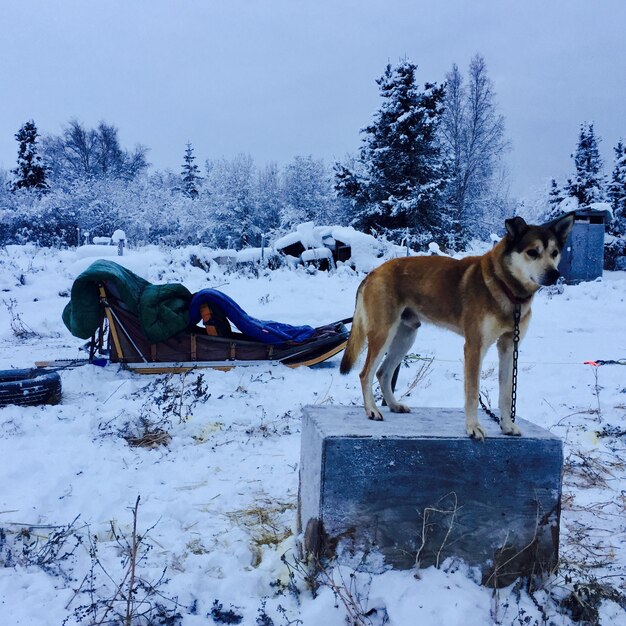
x,y
315,254
118,235
223,257
365,251
102,241
434,249
96,250
309,235
255,255
345,244
287,240
247,255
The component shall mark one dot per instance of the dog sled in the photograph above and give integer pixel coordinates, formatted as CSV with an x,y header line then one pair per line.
x,y
155,328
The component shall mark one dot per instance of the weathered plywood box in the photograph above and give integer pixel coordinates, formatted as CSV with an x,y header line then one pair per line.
x,y
415,488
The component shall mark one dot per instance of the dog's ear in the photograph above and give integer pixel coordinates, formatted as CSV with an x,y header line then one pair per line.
x,y
562,227
515,227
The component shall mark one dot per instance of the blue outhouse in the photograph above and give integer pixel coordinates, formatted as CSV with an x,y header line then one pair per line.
x,y
582,258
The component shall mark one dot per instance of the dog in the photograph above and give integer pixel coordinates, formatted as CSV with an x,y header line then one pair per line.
x,y
474,296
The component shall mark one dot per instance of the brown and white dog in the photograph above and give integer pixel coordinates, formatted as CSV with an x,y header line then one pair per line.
x,y
474,297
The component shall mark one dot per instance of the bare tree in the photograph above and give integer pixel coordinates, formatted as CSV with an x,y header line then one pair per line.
x,y
109,155
78,146
473,134
82,153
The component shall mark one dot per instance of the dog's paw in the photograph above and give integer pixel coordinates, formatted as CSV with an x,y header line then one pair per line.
x,y
399,408
511,428
374,414
475,431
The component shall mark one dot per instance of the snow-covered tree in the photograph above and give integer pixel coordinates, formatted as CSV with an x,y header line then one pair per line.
x,y
400,174
190,174
233,202
589,183
474,143
30,172
307,191
556,195
617,191
269,199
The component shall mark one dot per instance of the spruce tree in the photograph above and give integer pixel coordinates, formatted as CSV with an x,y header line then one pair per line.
x,y
589,183
29,173
190,174
397,181
617,191
555,197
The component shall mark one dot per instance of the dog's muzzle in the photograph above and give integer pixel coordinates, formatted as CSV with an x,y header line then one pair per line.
x,y
550,277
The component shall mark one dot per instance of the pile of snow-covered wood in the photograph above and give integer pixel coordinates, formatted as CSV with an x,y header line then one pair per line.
x,y
330,245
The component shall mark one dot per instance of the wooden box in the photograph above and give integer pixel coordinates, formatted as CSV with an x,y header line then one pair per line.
x,y
418,490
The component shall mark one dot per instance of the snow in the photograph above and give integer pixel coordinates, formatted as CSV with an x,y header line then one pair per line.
x,y
118,235
365,249
310,235
568,204
434,248
315,254
249,255
220,499
602,207
96,249
102,241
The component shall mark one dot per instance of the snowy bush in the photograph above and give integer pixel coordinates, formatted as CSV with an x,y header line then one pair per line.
x,y
614,253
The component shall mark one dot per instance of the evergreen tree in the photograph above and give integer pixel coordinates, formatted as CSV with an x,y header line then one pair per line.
x,y
555,197
398,179
589,183
190,174
30,172
617,191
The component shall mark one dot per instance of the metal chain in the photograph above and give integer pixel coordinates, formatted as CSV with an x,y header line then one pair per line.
x,y
517,314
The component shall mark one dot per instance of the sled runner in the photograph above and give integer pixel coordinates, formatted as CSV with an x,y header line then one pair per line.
x,y
153,328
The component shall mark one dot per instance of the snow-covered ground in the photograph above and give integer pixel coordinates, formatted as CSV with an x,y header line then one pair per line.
x,y
218,501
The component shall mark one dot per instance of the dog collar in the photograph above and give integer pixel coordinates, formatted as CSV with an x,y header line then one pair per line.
x,y
510,295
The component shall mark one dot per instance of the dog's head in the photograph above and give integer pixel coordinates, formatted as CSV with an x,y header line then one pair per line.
x,y
532,253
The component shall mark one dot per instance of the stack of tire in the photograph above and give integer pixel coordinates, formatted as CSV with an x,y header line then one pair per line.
x,y
28,387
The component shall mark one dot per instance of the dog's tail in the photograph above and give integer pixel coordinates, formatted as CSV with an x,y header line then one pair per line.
x,y
357,337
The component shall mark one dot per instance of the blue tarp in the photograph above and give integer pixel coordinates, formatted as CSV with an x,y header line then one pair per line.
x,y
259,330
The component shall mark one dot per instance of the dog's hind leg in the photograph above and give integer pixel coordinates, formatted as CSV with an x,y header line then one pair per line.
x,y
505,378
399,346
377,343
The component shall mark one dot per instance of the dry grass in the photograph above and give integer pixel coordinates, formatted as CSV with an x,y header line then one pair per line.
x,y
261,521
421,374
150,439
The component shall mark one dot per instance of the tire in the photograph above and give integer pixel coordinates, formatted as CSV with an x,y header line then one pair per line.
x,y
29,387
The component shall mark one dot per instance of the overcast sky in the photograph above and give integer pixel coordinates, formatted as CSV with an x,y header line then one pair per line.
x,y
277,78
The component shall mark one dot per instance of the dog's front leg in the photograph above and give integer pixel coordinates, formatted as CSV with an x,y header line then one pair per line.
x,y
505,378
473,360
